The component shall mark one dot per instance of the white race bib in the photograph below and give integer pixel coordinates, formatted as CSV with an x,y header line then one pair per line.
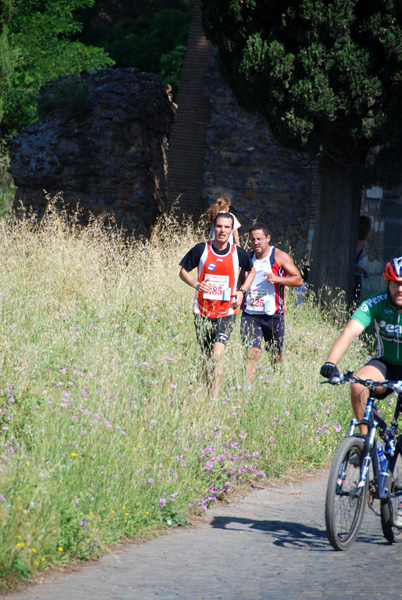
x,y
256,300
219,287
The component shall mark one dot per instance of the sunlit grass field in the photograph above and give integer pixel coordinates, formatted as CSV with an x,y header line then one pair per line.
x,y
107,430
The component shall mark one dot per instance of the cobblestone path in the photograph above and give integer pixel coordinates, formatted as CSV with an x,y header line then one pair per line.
x,y
268,544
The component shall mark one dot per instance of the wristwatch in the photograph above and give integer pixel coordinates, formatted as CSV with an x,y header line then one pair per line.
x,y
243,292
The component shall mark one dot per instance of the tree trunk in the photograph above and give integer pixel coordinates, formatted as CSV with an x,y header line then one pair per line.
x,y
334,247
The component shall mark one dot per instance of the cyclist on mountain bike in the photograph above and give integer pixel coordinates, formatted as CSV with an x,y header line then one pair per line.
x,y
384,309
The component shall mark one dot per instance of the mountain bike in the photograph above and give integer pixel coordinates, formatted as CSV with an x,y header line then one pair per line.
x,y
365,470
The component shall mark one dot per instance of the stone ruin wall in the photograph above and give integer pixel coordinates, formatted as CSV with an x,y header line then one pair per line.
x,y
112,161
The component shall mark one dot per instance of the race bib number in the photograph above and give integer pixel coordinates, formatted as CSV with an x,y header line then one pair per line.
x,y
218,286
256,300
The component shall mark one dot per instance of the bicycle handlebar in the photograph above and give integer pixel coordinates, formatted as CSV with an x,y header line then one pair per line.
x,y
348,377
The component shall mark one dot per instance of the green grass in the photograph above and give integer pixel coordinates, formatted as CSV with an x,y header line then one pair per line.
x,y
106,428
7,191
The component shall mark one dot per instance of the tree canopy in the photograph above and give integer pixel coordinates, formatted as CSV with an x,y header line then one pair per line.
x,y
327,76
6,56
41,35
46,39
151,36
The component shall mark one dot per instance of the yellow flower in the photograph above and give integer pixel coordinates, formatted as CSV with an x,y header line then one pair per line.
x,y
60,549
43,558
27,463
74,454
33,549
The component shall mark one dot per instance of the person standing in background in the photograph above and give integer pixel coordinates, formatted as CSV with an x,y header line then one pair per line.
x,y
223,205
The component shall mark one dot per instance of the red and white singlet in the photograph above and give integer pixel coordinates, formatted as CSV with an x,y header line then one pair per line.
x,y
221,273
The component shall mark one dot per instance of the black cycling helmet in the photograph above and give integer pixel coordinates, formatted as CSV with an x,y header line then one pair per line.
x,y
393,270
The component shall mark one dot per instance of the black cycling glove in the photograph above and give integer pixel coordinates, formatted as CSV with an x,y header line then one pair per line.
x,y
329,370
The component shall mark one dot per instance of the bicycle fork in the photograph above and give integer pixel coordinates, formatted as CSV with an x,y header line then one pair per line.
x,y
371,454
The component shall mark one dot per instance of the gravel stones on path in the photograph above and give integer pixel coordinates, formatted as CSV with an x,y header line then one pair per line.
x,y
271,543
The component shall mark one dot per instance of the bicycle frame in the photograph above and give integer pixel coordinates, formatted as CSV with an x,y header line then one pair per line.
x,y
372,420
349,485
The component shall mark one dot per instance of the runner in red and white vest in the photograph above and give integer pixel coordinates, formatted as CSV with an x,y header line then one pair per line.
x,y
264,305
220,273
217,298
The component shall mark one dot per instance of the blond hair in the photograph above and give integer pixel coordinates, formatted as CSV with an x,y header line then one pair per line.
x,y
216,208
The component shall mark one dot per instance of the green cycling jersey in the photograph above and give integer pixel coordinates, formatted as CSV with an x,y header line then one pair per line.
x,y
378,309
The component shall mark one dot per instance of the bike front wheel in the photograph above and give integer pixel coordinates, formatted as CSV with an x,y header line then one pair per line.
x,y
389,507
345,501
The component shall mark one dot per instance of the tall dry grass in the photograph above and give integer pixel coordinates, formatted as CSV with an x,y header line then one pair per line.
x,y
107,431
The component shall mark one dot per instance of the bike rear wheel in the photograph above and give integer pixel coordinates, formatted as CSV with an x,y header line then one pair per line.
x,y
389,507
345,502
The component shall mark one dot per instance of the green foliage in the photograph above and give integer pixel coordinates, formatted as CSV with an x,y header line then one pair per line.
x,y
73,95
7,57
6,200
41,34
171,65
150,37
327,75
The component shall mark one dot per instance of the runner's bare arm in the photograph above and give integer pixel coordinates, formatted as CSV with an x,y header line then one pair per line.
x,y
245,287
342,343
292,277
192,282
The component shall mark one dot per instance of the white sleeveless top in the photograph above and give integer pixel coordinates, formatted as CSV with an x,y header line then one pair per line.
x,y
262,295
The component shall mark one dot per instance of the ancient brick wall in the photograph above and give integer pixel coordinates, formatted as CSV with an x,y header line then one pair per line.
x,y
187,138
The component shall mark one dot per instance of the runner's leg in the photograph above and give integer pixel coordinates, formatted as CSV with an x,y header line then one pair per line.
x,y
251,336
224,328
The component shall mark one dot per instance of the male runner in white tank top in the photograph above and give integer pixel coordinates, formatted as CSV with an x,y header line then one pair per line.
x,y
264,305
